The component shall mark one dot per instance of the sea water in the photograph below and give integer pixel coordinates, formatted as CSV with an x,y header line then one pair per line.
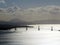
x,y
32,36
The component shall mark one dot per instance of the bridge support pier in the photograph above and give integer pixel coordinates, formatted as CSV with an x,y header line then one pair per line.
x,y
26,28
38,28
15,29
51,28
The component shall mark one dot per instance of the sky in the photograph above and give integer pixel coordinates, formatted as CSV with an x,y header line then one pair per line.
x,y
30,10
28,3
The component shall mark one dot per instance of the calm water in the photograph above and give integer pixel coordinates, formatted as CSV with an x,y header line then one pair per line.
x,y
31,37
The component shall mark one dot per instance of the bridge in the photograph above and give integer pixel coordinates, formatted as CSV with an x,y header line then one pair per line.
x,y
8,27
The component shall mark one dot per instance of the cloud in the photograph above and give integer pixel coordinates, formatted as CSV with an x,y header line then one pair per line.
x,y
2,1
33,14
40,13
